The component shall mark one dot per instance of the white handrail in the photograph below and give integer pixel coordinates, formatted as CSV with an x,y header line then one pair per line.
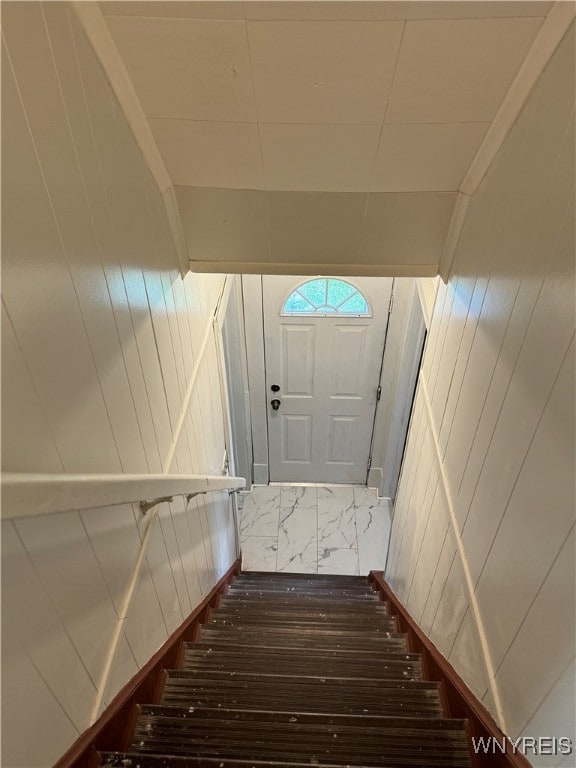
x,y
30,495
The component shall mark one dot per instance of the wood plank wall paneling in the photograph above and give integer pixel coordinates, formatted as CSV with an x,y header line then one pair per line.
x,y
112,729
482,546
458,700
100,339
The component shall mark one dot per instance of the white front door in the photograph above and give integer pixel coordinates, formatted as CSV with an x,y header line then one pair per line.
x,y
324,341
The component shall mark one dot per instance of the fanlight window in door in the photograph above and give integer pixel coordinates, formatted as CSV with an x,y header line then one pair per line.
x,y
326,296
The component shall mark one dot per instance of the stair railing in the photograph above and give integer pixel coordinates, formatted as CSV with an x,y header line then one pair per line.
x,y
30,495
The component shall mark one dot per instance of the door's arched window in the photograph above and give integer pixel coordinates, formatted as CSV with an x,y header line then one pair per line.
x,y
326,296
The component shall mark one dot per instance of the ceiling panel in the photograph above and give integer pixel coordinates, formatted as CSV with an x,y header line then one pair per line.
x,y
202,9
237,241
207,154
457,71
318,244
373,10
315,227
321,228
323,72
197,69
310,208
335,158
413,158
225,225
406,228
222,204
338,10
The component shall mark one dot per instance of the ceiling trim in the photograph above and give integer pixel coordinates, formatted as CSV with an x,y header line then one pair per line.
x,y
453,236
545,43
96,29
549,37
292,268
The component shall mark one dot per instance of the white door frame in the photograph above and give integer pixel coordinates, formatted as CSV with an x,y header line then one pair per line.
x,y
362,336
254,329
231,348
404,337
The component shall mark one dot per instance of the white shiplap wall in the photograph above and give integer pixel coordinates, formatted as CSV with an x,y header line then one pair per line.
x,y
100,341
482,548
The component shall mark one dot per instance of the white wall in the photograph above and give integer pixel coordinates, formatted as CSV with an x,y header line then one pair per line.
x,y
482,548
428,288
402,352
100,341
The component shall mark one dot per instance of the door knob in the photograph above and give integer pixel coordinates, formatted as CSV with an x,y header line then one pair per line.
x,y
275,388
275,404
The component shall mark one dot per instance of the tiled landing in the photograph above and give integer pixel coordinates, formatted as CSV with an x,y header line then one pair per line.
x,y
308,529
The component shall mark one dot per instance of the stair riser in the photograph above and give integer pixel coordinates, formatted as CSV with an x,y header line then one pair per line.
x,y
306,598
364,739
349,586
219,620
255,651
368,610
389,698
295,640
398,670
372,612
441,754
257,678
125,760
361,594
240,699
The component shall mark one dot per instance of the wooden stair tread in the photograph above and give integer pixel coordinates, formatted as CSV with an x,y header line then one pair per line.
x,y
278,716
296,670
131,760
303,664
292,735
292,614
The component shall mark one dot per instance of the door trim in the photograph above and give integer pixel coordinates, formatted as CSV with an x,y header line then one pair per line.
x,y
376,322
405,293
378,397
254,329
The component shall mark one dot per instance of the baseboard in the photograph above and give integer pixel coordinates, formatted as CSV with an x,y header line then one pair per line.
x,y
375,479
459,700
109,732
260,474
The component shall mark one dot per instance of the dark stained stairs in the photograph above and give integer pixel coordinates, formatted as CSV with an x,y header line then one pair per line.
x,y
296,670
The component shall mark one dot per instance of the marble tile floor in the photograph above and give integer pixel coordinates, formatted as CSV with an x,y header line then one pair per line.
x,y
339,529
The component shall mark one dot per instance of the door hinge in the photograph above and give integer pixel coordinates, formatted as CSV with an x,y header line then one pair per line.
x,y
379,392
369,463
391,303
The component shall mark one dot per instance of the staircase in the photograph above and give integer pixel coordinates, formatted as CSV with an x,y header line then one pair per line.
x,y
295,670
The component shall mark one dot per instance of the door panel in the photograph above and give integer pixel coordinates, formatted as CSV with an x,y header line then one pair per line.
x,y
328,369
342,435
297,344
297,433
348,347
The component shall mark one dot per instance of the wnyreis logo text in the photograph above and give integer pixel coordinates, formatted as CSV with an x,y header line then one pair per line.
x,y
527,745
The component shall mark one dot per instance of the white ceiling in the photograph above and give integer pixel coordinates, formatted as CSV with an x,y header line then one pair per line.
x,y
340,97
314,228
